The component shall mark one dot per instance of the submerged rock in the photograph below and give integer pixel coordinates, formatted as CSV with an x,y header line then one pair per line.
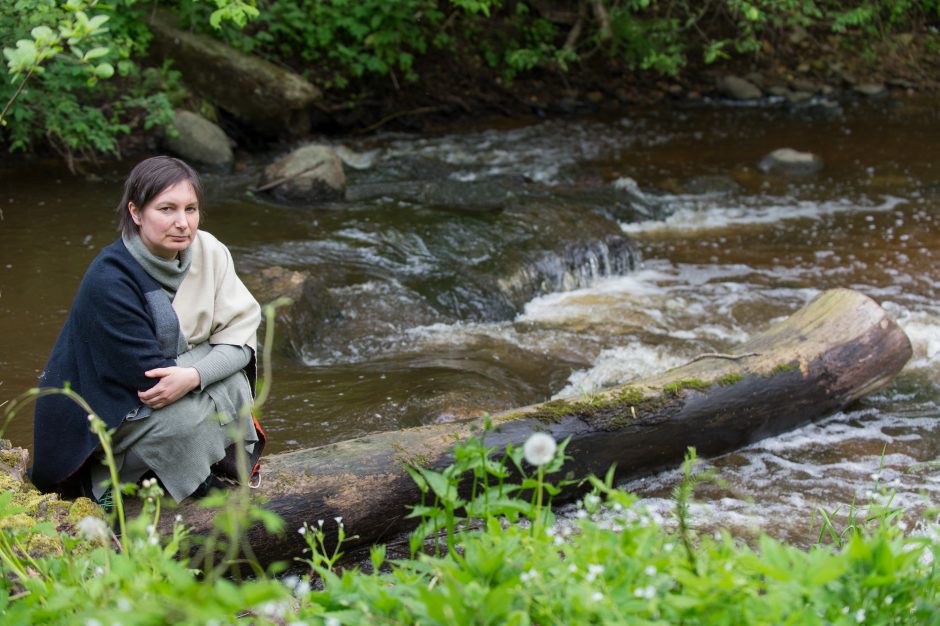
x,y
791,162
199,140
313,173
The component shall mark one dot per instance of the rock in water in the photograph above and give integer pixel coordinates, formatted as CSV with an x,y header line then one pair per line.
x,y
199,140
791,162
262,95
737,88
313,173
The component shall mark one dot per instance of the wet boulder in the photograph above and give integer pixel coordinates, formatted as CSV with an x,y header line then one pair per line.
x,y
303,319
790,162
312,173
738,88
444,194
198,140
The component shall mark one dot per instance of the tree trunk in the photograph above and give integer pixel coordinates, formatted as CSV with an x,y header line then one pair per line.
x,y
829,353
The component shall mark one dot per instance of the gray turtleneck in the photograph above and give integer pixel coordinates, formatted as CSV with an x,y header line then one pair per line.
x,y
224,359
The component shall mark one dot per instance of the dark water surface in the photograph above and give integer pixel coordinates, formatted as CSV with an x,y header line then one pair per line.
x,y
511,280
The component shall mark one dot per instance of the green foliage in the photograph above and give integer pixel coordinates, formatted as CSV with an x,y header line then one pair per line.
x,y
73,79
507,561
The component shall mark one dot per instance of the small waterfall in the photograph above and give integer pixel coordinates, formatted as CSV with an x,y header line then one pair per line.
x,y
575,266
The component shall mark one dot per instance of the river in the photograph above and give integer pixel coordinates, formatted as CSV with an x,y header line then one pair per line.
x,y
491,267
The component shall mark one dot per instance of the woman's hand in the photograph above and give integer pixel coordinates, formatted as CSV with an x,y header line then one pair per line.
x,y
175,382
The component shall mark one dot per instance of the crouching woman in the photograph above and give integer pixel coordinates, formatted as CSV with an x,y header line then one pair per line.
x,y
160,341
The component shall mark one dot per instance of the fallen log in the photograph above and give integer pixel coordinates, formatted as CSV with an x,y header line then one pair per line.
x,y
835,350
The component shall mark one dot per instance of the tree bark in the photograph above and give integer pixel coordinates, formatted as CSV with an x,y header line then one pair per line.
x,y
835,350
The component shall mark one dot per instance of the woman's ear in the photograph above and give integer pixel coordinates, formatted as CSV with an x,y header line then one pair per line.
x,y
135,212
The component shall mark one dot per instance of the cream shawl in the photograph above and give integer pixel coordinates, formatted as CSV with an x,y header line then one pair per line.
x,y
212,303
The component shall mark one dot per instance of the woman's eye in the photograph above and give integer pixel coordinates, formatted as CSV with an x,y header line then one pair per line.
x,y
191,209
165,209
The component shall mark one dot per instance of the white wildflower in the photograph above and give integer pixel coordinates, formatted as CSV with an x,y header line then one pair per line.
x,y
889,600
648,592
539,449
550,531
91,621
591,501
320,523
860,616
618,507
124,605
845,610
557,541
572,568
530,575
93,528
302,530
331,621
179,518
99,571
339,520
91,418
650,570
597,596
593,572
581,514
668,547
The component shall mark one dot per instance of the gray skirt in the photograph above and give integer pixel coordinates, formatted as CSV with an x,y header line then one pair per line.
x,y
181,441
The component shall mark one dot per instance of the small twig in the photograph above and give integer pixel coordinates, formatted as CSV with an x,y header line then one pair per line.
x,y
389,118
721,355
600,12
16,95
575,31
284,179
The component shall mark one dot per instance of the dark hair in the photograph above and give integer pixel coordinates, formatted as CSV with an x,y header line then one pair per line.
x,y
146,181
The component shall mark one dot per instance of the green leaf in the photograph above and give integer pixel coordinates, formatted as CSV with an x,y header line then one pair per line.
x,y
104,70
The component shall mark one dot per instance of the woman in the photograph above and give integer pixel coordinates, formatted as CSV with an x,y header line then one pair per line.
x,y
161,342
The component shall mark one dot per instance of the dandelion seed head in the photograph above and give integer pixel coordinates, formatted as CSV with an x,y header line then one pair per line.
x,y
302,589
539,449
91,528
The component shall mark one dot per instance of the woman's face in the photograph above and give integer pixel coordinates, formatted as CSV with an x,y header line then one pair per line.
x,y
168,223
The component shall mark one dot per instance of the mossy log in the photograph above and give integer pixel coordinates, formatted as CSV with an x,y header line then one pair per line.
x,y
835,350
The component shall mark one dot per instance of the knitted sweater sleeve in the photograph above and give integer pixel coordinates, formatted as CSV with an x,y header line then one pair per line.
x,y
223,361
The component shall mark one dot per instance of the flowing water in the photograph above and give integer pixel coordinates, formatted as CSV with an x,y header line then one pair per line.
x,y
500,266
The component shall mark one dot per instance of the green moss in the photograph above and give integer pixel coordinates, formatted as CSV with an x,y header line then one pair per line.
x,y
675,388
730,379
82,508
785,367
44,545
